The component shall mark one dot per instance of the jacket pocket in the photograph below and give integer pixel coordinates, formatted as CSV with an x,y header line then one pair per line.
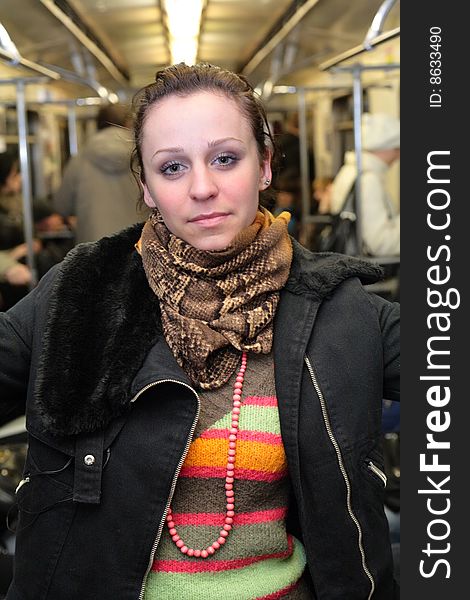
x,y
373,468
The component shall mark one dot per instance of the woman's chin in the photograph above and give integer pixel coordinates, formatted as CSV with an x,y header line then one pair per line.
x,y
212,243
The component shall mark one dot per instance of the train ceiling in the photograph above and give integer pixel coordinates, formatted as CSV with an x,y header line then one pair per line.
x,y
117,45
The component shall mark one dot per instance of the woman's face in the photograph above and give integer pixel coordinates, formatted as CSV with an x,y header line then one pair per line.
x,y
202,168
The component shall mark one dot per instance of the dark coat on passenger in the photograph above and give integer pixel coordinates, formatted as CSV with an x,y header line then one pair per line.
x,y
109,415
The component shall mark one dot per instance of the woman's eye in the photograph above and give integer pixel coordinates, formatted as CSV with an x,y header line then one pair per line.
x,y
225,160
172,168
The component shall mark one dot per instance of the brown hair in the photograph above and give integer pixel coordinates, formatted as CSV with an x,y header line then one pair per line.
x,y
8,165
113,114
184,80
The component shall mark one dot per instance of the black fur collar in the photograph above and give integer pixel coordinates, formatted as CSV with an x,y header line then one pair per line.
x,y
318,274
103,319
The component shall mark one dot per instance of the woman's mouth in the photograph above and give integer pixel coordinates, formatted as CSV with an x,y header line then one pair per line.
x,y
209,219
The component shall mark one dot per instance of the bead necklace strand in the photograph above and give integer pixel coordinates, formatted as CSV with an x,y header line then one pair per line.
x,y
229,479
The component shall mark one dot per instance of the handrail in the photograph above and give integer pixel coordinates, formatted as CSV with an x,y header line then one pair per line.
x,y
377,23
10,52
28,64
91,45
359,49
374,36
72,77
279,36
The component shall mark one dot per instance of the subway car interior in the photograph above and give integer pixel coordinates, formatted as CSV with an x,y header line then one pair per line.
x,y
318,66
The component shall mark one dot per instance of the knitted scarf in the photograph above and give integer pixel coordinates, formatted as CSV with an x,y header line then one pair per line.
x,y
215,304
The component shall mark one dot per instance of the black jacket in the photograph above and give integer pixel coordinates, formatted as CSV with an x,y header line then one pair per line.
x,y
110,416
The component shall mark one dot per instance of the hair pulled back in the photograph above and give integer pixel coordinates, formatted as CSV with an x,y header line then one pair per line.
x,y
8,161
184,80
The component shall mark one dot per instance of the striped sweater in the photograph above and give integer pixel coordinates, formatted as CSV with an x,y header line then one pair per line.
x,y
260,559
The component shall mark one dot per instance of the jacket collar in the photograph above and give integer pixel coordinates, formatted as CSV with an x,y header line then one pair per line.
x,y
318,274
103,320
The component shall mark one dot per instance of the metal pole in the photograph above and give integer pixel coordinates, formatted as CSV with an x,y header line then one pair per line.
x,y
357,102
376,27
25,179
72,123
304,167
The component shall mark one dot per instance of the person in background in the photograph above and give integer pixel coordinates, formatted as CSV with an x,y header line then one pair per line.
x,y
288,145
12,271
11,207
320,205
97,187
203,394
15,276
322,188
288,199
380,218
11,203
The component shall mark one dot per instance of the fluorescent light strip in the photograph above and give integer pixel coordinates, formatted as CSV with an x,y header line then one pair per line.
x,y
183,22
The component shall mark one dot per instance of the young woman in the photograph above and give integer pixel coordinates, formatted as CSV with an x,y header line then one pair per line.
x,y
203,395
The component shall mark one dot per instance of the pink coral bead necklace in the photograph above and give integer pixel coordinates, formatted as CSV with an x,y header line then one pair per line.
x,y
229,479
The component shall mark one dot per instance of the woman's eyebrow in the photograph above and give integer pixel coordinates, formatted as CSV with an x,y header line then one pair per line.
x,y
210,144
213,143
176,149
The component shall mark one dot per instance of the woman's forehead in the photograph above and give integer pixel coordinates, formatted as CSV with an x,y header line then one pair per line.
x,y
199,100
204,113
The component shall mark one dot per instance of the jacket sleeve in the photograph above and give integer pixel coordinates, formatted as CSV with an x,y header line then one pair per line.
x,y
389,318
15,355
16,341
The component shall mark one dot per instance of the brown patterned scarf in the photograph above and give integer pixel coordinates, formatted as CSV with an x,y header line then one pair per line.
x,y
216,304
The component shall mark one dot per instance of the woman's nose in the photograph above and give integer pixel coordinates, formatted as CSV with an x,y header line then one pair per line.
x,y
203,184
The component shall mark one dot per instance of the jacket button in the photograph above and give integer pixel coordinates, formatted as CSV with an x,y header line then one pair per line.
x,y
89,460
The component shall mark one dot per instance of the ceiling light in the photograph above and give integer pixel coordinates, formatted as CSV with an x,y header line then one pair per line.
x,y
183,22
90,101
284,89
102,91
7,44
267,88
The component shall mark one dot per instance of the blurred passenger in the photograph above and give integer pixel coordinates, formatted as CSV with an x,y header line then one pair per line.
x,y
11,203
288,199
320,205
11,206
98,190
12,271
288,144
380,218
322,188
15,276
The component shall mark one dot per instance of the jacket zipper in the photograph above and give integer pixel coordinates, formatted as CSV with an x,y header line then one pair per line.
x,y
342,468
175,477
377,471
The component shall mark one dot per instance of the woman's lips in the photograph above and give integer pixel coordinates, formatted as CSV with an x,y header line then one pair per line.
x,y
209,219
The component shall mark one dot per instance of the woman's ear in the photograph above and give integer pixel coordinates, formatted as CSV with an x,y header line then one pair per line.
x,y
149,201
265,171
